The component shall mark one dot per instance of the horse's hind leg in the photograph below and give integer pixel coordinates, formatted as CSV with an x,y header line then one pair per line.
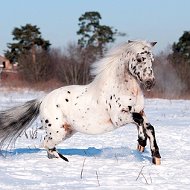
x,y
55,135
50,142
52,153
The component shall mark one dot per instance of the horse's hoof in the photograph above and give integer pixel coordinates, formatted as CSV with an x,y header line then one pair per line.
x,y
63,157
140,148
52,153
156,161
51,156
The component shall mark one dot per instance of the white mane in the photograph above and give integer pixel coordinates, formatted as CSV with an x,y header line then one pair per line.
x,y
113,56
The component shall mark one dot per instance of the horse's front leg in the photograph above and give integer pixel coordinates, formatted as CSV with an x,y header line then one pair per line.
x,y
147,130
142,138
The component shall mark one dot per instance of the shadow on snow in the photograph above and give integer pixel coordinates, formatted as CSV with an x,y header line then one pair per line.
x,y
122,152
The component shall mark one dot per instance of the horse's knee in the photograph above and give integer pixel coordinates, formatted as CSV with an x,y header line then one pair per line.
x,y
137,117
150,128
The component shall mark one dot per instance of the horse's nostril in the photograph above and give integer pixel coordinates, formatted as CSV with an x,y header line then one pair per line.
x,y
148,83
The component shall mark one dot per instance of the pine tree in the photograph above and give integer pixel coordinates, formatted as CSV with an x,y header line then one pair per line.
x,y
182,47
94,35
28,40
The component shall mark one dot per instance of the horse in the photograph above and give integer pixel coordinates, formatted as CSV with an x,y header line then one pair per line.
x,y
113,99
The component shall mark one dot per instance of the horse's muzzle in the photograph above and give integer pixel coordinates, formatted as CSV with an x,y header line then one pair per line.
x,y
148,84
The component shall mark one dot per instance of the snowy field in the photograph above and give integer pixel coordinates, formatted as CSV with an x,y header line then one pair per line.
x,y
103,162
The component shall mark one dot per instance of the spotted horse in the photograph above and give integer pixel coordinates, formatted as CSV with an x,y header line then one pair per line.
x,y
113,99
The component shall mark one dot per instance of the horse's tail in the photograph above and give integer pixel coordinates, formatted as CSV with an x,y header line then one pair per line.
x,y
16,120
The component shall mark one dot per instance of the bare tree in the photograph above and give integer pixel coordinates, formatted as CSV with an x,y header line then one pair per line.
x,y
41,70
72,66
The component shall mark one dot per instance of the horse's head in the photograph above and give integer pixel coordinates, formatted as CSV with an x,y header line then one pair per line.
x,y
140,64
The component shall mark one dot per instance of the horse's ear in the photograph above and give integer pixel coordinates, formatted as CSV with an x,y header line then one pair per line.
x,y
153,43
129,41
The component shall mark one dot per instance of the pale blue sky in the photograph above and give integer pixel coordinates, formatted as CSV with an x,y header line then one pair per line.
x,y
155,20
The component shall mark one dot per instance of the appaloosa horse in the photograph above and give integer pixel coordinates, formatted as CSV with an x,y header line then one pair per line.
x,y
113,99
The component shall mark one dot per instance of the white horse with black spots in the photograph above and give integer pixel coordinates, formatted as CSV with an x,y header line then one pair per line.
x,y
113,99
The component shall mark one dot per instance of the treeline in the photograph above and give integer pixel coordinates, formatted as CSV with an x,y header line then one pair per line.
x,y
38,62
68,67
172,70
72,66
172,77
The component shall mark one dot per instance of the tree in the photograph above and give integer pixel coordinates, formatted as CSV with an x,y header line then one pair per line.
x,y
28,40
182,47
180,59
41,70
70,66
94,36
31,52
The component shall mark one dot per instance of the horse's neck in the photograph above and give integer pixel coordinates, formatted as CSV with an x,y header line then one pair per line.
x,y
116,81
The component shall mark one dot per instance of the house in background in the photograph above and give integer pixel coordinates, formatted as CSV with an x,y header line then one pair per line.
x,y
5,63
7,70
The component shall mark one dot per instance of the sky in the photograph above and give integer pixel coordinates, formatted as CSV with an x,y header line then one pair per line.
x,y
163,21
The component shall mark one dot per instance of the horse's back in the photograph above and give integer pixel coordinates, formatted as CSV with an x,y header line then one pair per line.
x,y
61,98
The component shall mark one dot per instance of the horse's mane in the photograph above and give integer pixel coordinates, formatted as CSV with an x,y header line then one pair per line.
x,y
112,56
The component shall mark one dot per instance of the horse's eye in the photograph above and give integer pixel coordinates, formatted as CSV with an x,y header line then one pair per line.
x,y
139,60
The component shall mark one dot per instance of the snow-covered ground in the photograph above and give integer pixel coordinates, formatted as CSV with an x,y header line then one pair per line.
x,y
104,162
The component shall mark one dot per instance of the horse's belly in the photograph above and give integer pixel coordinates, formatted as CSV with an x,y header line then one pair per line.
x,y
93,127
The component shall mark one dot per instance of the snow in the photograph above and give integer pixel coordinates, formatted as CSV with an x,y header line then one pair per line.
x,y
102,162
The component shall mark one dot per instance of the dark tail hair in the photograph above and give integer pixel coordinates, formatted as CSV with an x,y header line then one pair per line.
x,y
16,120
